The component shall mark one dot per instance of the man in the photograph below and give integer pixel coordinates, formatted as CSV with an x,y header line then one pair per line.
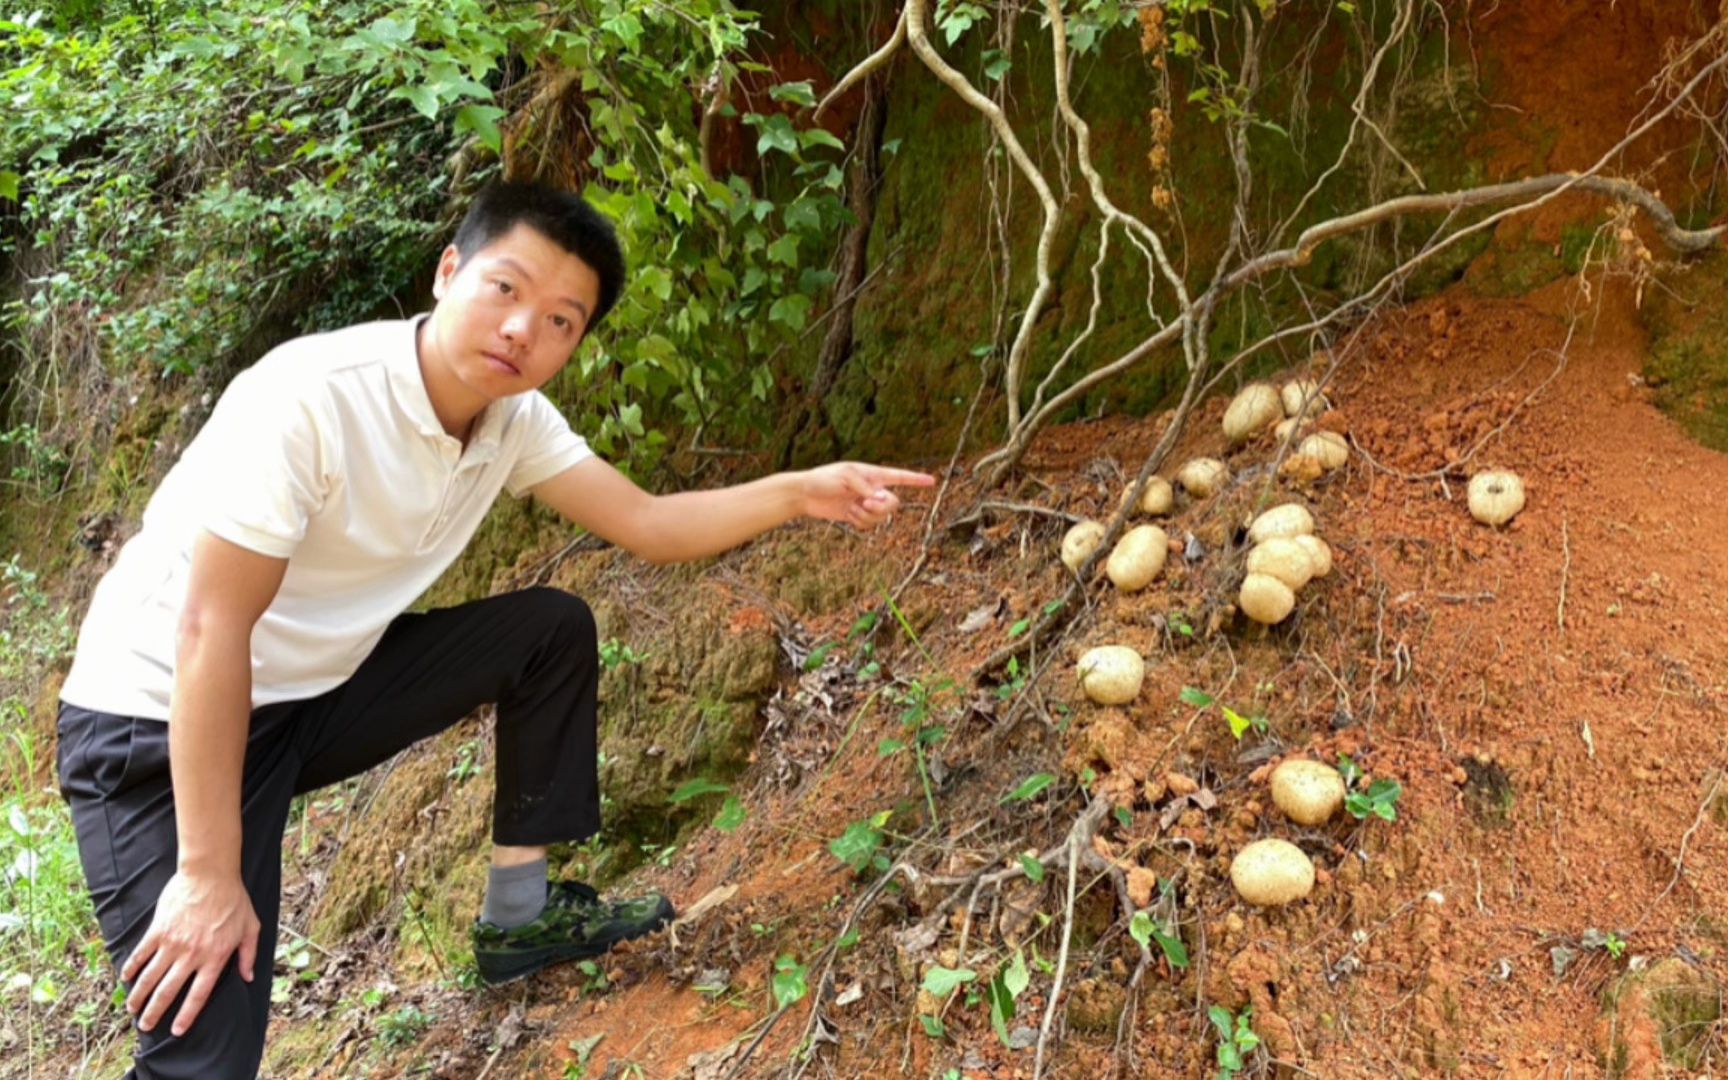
x,y
250,643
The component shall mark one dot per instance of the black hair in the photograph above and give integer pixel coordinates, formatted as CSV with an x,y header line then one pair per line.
x,y
563,217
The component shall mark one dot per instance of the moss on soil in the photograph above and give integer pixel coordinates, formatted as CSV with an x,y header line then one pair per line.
x,y
1688,359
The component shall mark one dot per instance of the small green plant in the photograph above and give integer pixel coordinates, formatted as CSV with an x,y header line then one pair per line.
x,y
860,846
594,979
919,704
789,983
403,1026
614,653
1614,943
1380,800
1144,930
1178,623
1004,991
466,764
1236,1040
1239,724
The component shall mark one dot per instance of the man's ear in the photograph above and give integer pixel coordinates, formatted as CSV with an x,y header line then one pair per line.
x,y
447,264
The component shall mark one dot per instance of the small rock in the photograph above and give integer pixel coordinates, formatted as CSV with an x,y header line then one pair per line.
x,y
1142,883
1022,1038
1181,783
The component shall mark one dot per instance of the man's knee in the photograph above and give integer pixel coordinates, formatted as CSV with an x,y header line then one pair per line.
x,y
563,614
226,1040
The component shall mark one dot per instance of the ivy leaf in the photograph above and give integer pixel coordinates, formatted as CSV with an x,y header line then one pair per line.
x,y
422,97
1029,788
857,844
9,182
820,137
940,981
798,93
731,816
790,311
692,789
1239,724
777,134
1034,869
932,1026
996,64
482,120
1200,699
784,250
789,982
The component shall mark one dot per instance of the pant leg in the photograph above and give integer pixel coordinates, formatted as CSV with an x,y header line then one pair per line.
x,y
533,653
114,775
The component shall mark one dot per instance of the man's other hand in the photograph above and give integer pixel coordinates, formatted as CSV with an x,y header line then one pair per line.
x,y
855,493
199,923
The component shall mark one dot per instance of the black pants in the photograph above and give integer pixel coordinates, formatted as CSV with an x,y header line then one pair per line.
x,y
532,653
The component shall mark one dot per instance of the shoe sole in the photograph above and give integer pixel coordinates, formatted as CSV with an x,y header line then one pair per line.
x,y
496,970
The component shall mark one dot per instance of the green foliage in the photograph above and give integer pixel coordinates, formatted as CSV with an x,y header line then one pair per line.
x,y
49,946
1236,1040
939,981
34,633
789,983
1145,931
860,845
1029,788
201,175
1380,800
1004,991
1239,724
403,1026
615,653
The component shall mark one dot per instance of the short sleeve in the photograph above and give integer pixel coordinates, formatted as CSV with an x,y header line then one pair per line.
x,y
268,453
545,446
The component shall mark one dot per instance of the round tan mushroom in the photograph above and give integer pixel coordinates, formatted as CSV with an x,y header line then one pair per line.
x,y
1265,599
1156,499
1203,476
1137,557
1326,447
1309,792
1283,558
1269,873
1291,519
1495,497
1319,553
1296,392
1252,411
1112,674
1080,542
1291,426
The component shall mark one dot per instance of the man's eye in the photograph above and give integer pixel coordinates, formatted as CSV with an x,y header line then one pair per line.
x,y
560,322
503,287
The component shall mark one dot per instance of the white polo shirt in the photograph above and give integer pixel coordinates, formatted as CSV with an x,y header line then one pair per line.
x,y
326,453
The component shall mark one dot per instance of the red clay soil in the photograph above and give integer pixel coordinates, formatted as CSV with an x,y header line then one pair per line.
x,y
1550,695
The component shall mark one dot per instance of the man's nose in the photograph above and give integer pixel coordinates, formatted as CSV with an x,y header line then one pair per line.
x,y
516,327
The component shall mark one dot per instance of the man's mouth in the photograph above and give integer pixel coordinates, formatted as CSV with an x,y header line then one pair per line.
x,y
500,364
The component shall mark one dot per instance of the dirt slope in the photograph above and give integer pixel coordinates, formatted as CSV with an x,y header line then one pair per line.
x,y
1551,697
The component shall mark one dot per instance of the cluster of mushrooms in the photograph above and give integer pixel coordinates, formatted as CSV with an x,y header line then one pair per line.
x,y
1286,556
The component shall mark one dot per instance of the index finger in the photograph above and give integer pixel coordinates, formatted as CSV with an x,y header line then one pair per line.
x,y
880,474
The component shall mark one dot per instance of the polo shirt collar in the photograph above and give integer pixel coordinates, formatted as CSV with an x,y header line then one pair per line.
x,y
408,388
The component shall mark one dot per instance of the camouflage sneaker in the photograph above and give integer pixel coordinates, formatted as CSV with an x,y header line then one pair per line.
x,y
575,924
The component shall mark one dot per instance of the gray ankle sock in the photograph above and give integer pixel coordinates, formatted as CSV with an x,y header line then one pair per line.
x,y
515,895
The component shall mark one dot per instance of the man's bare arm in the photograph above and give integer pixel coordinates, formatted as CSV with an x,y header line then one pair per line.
x,y
205,914
695,524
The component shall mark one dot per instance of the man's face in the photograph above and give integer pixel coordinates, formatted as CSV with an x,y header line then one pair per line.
x,y
510,316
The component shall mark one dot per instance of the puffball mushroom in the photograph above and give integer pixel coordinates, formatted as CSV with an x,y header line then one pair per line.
x,y
1265,599
1252,411
1296,392
1203,476
1283,558
1156,499
1309,792
1112,674
1291,519
1319,554
1496,497
1326,447
1289,427
1138,557
1080,542
1268,873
